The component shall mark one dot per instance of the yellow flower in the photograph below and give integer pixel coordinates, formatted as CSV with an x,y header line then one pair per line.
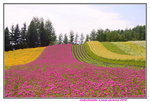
x,y
22,56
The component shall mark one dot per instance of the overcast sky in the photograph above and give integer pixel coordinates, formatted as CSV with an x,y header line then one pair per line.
x,y
77,17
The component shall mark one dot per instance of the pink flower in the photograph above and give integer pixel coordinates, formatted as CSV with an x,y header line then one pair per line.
x,y
29,86
44,77
81,94
104,88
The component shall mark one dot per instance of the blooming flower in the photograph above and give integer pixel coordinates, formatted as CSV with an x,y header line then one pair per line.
x,y
57,73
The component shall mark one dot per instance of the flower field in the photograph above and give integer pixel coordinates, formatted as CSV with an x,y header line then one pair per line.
x,y
20,57
73,71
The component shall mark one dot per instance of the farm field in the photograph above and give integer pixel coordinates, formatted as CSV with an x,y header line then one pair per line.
x,y
91,70
108,54
20,57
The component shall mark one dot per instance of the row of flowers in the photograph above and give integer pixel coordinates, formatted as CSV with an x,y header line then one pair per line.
x,y
56,73
22,56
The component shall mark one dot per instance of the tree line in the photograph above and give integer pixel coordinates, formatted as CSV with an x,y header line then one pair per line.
x,y
40,33
73,38
136,33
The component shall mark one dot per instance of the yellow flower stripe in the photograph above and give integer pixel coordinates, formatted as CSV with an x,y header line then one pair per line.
x,y
21,56
98,48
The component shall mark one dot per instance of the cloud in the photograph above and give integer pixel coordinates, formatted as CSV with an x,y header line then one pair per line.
x,y
79,18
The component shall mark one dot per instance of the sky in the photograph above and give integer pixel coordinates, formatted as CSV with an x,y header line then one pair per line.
x,y
81,18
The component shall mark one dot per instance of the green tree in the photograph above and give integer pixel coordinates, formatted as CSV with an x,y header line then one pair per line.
x,y
81,39
76,39
65,39
17,37
43,35
23,36
142,33
60,39
93,35
71,37
32,35
7,39
108,36
50,32
101,35
87,38
37,24
12,37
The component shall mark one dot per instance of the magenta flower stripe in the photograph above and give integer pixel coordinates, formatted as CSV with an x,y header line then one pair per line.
x,y
57,73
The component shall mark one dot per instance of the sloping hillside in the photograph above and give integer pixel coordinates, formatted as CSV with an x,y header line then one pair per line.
x,y
109,54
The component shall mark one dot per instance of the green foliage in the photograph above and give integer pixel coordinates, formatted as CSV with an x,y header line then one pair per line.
x,y
137,33
93,35
71,37
76,39
37,34
7,39
17,37
65,39
50,32
43,35
101,36
32,36
23,40
87,38
60,39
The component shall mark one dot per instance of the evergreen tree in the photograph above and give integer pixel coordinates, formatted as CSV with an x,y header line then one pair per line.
x,y
65,39
101,35
108,36
32,35
142,33
76,39
43,35
71,37
87,38
23,37
60,39
93,35
37,24
81,39
53,38
17,37
7,39
50,32
12,37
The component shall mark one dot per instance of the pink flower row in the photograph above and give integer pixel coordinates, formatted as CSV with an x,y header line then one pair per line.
x,y
56,73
